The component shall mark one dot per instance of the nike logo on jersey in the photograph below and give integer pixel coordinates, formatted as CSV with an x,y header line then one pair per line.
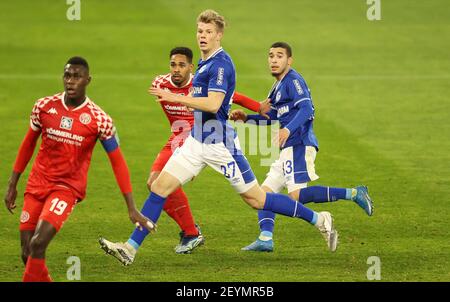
x,y
53,111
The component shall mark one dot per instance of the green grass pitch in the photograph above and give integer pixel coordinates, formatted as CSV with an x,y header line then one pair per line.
x,y
381,91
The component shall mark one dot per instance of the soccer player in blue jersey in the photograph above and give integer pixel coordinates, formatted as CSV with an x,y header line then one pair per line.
x,y
292,106
213,141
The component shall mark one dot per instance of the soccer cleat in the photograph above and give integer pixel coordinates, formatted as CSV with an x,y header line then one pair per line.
x,y
118,250
189,243
328,231
260,246
363,199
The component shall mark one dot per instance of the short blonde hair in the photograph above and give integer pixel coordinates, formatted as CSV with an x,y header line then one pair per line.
x,y
211,16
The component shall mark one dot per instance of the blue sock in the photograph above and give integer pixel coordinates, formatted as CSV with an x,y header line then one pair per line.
x,y
266,220
320,194
284,205
152,210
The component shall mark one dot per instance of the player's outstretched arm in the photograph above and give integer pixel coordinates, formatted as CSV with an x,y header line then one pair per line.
x,y
246,102
261,107
238,115
122,175
257,119
24,155
211,103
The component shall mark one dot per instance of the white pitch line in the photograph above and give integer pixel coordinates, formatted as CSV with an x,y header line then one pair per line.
x,y
59,77
383,77
355,77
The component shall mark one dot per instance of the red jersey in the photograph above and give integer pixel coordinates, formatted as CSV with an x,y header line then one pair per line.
x,y
181,119
68,139
175,111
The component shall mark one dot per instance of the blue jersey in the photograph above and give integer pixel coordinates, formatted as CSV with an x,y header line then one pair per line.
x,y
217,73
289,97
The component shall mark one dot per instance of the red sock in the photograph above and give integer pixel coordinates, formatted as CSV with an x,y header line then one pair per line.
x,y
177,207
169,207
36,271
45,275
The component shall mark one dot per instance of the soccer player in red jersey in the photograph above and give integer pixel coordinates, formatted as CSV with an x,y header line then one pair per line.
x,y
181,120
69,124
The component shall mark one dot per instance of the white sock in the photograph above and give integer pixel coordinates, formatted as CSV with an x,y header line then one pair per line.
x,y
130,248
320,220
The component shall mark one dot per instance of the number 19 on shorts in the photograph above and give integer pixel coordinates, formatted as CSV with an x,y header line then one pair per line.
x,y
58,206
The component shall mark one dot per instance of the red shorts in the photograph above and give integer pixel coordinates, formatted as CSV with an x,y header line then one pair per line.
x,y
162,159
175,141
54,207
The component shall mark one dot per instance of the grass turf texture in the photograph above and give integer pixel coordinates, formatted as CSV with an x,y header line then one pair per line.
x,y
382,109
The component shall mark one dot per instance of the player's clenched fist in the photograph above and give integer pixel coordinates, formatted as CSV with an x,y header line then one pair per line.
x,y
238,115
264,108
283,136
141,221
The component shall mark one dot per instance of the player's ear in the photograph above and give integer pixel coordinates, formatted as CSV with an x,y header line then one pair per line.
x,y
88,80
289,61
220,35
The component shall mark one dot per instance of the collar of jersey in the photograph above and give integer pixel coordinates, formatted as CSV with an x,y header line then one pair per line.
x,y
187,84
86,100
212,55
278,83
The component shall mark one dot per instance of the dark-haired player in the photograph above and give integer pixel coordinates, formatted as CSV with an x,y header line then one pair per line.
x,y
292,106
213,141
69,124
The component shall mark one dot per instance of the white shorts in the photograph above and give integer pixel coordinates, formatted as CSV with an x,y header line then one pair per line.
x,y
293,170
190,159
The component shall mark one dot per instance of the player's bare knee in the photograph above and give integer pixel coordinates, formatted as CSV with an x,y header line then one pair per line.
x,y
160,187
25,255
253,202
267,189
149,184
37,245
259,205
156,187
255,197
165,184
153,176
295,195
